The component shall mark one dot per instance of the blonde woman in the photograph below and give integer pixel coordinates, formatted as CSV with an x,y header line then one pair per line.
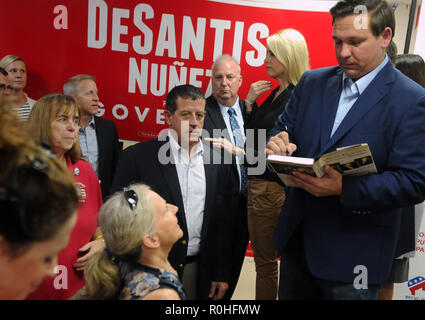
x,y
139,229
17,74
286,60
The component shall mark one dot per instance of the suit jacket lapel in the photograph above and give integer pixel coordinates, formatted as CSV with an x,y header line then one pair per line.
x,y
330,105
100,144
215,115
376,90
244,115
171,178
217,120
210,173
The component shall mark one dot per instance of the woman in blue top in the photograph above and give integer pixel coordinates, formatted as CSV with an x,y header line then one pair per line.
x,y
139,229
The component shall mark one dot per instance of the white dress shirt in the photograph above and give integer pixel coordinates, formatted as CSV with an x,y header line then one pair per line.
x,y
191,174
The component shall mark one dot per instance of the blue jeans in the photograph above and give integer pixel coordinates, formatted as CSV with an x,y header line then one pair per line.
x,y
298,283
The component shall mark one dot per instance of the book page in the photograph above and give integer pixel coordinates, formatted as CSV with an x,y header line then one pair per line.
x,y
285,165
351,160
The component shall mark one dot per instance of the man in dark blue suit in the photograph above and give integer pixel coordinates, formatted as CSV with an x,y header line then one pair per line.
x,y
337,235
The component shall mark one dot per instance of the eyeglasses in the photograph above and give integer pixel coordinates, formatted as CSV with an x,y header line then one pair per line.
x,y
4,87
132,198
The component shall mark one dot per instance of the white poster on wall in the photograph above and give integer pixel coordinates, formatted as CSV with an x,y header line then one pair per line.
x,y
414,289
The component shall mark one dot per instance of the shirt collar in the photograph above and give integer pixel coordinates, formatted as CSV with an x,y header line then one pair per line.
x,y
91,124
175,147
364,81
235,107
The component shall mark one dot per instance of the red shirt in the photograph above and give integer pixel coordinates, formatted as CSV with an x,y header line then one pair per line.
x,y
68,281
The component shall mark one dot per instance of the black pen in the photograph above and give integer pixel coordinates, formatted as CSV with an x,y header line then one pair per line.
x,y
287,152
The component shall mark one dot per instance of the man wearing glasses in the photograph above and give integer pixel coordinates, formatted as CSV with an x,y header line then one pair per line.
x,y
5,87
179,167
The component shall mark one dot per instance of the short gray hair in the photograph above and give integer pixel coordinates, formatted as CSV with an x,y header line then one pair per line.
x,y
71,85
226,57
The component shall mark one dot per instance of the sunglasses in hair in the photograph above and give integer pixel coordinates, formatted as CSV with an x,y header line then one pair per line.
x,y
35,172
132,198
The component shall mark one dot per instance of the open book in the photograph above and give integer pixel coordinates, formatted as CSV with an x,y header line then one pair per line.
x,y
350,160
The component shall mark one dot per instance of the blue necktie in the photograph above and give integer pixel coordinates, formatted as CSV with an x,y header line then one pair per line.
x,y
239,141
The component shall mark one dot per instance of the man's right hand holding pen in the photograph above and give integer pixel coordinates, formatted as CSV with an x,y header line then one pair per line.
x,y
279,144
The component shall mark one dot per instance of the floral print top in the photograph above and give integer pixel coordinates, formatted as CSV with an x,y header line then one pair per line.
x,y
139,280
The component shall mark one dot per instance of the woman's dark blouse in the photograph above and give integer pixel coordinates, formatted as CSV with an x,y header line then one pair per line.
x,y
140,280
265,116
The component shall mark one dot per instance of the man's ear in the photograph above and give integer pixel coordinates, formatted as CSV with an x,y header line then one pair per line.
x,y
168,116
151,241
386,36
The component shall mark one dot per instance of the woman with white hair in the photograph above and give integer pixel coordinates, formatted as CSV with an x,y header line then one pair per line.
x,y
139,229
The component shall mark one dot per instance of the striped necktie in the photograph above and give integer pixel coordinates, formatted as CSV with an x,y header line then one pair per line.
x,y
239,141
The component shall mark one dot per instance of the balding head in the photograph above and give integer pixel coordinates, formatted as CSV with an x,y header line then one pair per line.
x,y
226,80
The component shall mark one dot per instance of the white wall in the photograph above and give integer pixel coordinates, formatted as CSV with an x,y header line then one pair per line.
x,y
420,36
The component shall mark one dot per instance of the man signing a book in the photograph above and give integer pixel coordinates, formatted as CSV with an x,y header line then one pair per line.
x,y
338,235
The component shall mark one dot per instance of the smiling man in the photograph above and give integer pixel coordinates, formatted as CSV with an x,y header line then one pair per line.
x,y
338,235
179,167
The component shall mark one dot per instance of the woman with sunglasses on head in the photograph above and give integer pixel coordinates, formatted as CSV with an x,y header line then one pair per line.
x,y
38,203
139,229
17,74
54,119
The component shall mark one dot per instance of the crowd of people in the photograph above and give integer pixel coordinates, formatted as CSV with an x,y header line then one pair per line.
x,y
163,219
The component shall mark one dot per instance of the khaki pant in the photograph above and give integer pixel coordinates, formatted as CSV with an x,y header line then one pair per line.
x,y
265,201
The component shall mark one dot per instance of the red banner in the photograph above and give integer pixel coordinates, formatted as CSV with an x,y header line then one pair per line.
x,y
139,50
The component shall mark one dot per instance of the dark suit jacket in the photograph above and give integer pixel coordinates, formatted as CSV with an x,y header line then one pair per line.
x,y
109,149
214,120
361,227
140,163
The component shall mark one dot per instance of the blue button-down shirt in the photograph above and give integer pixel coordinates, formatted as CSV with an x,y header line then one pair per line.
x,y
351,91
88,145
